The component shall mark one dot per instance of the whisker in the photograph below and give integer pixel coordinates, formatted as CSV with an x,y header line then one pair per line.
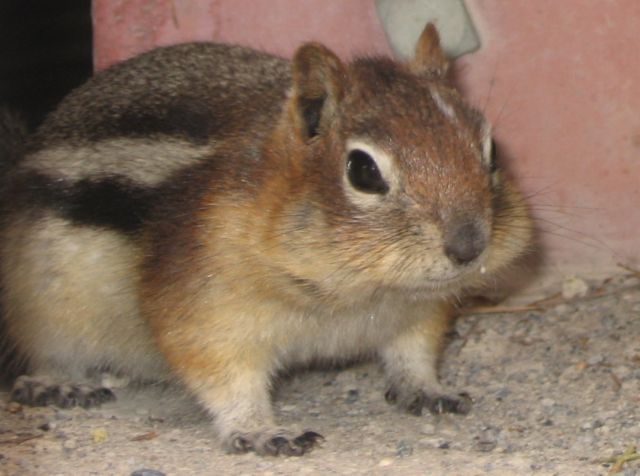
x,y
490,91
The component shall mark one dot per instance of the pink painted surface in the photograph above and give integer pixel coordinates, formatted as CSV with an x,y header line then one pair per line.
x,y
558,79
566,103
125,27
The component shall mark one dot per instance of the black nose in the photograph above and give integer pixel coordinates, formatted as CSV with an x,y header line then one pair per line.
x,y
464,242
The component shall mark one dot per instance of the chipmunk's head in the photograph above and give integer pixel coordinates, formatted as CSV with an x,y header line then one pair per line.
x,y
400,174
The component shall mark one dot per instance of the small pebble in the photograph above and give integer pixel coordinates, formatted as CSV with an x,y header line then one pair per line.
x,y
404,449
147,472
622,372
383,462
586,425
487,440
547,402
13,407
353,395
574,287
70,444
99,435
502,393
595,359
486,445
428,429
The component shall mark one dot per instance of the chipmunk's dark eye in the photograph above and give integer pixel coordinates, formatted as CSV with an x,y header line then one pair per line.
x,y
363,173
493,157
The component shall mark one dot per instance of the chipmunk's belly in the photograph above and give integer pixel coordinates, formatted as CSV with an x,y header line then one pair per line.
x,y
351,334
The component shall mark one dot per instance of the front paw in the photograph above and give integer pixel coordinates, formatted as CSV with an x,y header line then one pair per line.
x,y
273,442
414,401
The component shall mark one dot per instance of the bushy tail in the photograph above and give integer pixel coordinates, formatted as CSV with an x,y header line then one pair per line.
x,y
13,136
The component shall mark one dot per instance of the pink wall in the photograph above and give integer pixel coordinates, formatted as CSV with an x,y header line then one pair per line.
x,y
557,78
126,27
566,103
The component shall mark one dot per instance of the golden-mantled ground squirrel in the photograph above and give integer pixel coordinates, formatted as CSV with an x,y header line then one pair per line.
x,y
217,214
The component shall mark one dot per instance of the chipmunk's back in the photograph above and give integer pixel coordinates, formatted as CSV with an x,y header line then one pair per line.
x,y
149,116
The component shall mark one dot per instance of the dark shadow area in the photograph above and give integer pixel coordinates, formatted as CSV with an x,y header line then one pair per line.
x,y
45,51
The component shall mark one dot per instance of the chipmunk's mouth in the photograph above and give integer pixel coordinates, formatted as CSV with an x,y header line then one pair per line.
x,y
459,278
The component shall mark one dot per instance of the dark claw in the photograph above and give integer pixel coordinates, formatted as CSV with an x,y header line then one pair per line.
x,y
391,396
277,445
98,396
415,406
20,395
71,398
444,404
49,396
273,444
280,445
308,439
239,444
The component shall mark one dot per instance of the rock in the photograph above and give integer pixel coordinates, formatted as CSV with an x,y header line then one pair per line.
x,y
595,360
352,395
70,444
547,402
147,472
428,429
502,393
574,287
404,449
622,372
99,435
487,440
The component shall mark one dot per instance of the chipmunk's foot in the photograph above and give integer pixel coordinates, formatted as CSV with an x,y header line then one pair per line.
x,y
42,391
278,442
414,401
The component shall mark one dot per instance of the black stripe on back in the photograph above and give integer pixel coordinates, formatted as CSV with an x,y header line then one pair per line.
x,y
108,202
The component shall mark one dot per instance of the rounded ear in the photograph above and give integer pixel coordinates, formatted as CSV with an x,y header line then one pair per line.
x,y
429,57
318,87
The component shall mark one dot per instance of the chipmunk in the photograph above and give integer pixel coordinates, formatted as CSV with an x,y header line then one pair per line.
x,y
216,214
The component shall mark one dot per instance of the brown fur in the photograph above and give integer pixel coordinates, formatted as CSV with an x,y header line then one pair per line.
x,y
259,252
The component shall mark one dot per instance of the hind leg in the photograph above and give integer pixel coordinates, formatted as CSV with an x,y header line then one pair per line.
x,y
69,296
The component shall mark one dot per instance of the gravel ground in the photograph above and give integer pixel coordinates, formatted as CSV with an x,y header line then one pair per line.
x,y
556,391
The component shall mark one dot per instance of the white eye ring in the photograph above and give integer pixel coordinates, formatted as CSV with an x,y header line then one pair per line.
x,y
386,169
